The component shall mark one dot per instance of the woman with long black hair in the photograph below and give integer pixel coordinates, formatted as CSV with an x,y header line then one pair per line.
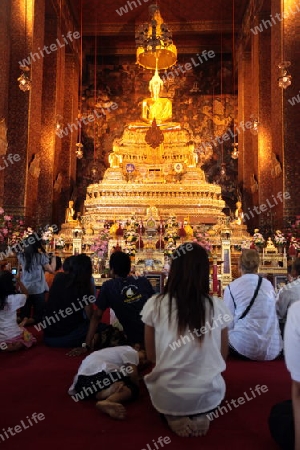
x,y
186,338
34,262
69,306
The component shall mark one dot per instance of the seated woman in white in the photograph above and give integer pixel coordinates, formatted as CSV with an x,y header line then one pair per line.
x,y
12,336
186,338
254,333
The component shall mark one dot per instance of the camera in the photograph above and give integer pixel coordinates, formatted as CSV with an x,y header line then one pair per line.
x,y
14,271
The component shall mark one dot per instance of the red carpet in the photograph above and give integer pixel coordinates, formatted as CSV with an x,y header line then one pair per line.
x,y
36,380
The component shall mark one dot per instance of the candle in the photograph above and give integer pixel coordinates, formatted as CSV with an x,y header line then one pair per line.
x,y
215,276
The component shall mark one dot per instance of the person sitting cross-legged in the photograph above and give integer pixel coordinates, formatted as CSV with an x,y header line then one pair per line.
x,y
254,333
126,295
289,294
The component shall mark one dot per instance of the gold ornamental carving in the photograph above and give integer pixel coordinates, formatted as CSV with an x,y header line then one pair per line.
x,y
154,136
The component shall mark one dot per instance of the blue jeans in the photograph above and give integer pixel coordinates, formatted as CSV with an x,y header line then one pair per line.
x,y
37,301
73,339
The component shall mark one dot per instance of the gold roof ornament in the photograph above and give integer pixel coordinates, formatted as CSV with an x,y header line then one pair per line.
x,y
155,48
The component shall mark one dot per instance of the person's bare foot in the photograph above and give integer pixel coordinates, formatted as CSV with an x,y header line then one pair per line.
x,y
115,387
27,322
23,322
181,425
201,425
114,410
14,347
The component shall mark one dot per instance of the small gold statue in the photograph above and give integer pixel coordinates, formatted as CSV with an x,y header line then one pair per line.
x,y
270,248
239,215
188,229
70,212
113,228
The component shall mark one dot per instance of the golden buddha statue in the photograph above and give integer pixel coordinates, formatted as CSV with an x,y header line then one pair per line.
x,y
156,107
155,85
239,215
69,215
187,228
270,248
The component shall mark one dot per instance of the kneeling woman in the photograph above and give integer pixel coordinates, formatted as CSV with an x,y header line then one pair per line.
x,y
186,339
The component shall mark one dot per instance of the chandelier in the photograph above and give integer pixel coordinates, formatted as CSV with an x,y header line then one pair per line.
x,y
24,80
155,48
285,79
235,150
79,150
254,125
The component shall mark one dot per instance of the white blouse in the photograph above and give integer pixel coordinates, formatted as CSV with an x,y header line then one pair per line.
x,y
187,376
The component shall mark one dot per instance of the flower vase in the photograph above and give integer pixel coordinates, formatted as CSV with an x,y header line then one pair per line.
x,y
259,248
280,249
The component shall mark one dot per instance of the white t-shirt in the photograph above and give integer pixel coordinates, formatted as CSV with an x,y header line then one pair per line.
x,y
257,336
108,360
288,295
9,328
187,377
292,341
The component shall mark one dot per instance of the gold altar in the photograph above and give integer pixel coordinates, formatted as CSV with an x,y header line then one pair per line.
x,y
155,195
154,164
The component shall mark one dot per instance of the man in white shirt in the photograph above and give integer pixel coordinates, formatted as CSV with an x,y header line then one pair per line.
x,y
254,335
292,351
289,294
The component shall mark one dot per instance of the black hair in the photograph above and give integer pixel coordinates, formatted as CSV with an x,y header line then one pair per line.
x,y
67,264
188,286
80,273
58,263
296,266
110,337
120,263
7,287
33,247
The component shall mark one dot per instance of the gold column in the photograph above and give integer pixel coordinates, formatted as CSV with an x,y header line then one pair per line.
x,y
51,94
247,169
291,113
65,160
15,175
36,171
4,80
277,98
262,89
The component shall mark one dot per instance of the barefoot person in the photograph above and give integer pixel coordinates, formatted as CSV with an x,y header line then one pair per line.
x,y
13,337
109,376
126,295
186,338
